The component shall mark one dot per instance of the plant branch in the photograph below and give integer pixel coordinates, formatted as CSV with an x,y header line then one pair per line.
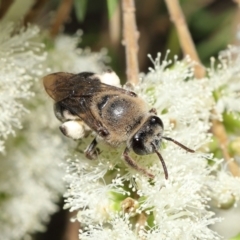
x,y
130,37
72,228
34,11
188,48
61,17
4,6
237,2
184,35
115,26
220,133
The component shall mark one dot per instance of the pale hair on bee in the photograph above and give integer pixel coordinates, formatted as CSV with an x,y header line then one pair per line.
x,y
86,102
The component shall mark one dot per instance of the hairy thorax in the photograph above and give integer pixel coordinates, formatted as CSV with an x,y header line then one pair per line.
x,y
121,115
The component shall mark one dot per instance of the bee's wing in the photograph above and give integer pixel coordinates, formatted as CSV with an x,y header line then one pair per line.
x,y
75,92
56,85
63,85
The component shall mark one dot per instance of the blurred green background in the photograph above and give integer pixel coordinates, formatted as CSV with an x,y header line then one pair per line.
x,y
212,23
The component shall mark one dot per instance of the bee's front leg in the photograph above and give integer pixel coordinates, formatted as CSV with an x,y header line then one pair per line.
x,y
134,165
92,152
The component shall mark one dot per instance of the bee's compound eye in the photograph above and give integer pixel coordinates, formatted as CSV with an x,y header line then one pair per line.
x,y
153,120
136,140
156,120
138,145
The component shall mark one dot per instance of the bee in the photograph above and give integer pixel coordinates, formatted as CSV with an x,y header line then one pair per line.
x,y
115,114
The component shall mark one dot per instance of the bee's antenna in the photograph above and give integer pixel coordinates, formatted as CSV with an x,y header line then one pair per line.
x,y
179,144
162,161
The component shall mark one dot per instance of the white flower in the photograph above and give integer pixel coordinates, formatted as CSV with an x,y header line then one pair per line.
x,y
119,227
177,208
30,176
225,80
65,56
20,61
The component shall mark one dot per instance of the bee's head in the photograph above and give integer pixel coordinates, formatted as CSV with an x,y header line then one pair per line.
x,y
149,136
148,139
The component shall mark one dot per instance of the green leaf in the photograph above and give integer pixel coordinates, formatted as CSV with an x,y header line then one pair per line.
x,y
150,220
231,122
112,6
173,43
4,196
80,7
236,237
212,41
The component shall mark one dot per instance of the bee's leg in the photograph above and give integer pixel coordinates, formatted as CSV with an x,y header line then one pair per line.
x,y
134,165
92,152
153,110
102,131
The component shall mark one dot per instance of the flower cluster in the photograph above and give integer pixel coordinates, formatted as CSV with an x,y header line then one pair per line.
x,y
116,201
30,176
225,80
20,59
74,59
